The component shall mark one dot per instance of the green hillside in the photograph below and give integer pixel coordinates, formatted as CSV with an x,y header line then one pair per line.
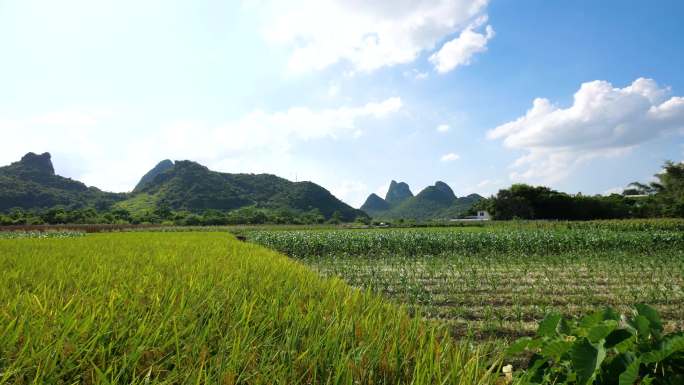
x,y
461,205
432,203
374,205
31,183
192,187
149,177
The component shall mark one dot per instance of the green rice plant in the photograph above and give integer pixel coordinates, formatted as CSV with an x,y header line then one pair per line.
x,y
191,308
40,234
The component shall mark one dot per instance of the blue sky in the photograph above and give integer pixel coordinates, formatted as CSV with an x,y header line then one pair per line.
x,y
582,96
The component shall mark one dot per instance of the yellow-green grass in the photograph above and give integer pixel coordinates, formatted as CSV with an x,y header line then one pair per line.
x,y
189,308
139,203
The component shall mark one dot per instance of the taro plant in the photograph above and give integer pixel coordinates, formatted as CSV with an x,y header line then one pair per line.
x,y
603,348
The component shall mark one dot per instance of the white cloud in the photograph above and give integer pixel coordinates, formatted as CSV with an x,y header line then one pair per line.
x,y
485,183
614,190
421,75
381,191
352,192
450,157
603,121
443,128
367,34
484,187
459,51
97,153
81,147
266,130
333,90
416,75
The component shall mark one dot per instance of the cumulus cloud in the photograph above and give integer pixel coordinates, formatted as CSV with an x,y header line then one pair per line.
x,y
72,127
459,51
487,182
421,75
333,90
350,191
443,128
603,121
450,157
260,129
367,34
416,75
98,153
484,187
613,190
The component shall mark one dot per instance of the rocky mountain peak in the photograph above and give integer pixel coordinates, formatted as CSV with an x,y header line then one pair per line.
x,y
41,163
374,203
398,192
150,175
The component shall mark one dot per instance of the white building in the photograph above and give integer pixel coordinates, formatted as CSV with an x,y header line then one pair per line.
x,y
482,215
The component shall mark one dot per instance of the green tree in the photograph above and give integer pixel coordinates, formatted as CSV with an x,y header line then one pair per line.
x,y
163,211
663,197
336,218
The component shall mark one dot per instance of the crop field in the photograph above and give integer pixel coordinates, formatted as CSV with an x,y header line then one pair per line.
x,y
40,234
351,306
204,308
498,282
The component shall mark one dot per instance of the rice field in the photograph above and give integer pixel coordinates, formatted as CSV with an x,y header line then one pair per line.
x,y
494,284
40,234
204,308
349,306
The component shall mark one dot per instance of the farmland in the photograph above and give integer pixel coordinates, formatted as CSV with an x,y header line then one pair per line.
x,y
498,282
377,306
202,307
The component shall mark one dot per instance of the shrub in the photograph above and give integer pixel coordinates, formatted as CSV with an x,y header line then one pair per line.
x,y
604,348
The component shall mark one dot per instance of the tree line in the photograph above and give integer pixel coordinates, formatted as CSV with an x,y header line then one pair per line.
x,y
164,215
663,197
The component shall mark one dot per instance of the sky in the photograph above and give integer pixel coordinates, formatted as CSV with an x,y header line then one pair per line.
x,y
582,96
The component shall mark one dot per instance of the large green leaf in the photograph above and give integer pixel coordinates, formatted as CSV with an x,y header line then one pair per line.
x,y
565,327
547,328
556,349
612,368
601,330
670,345
597,317
611,314
617,336
521,344
651,314
536,368
631,373
586,360
642,326
591,320
626,345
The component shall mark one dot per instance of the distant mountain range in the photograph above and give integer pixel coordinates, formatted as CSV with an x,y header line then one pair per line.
x,y
31,183
150,175
186,185
433,202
